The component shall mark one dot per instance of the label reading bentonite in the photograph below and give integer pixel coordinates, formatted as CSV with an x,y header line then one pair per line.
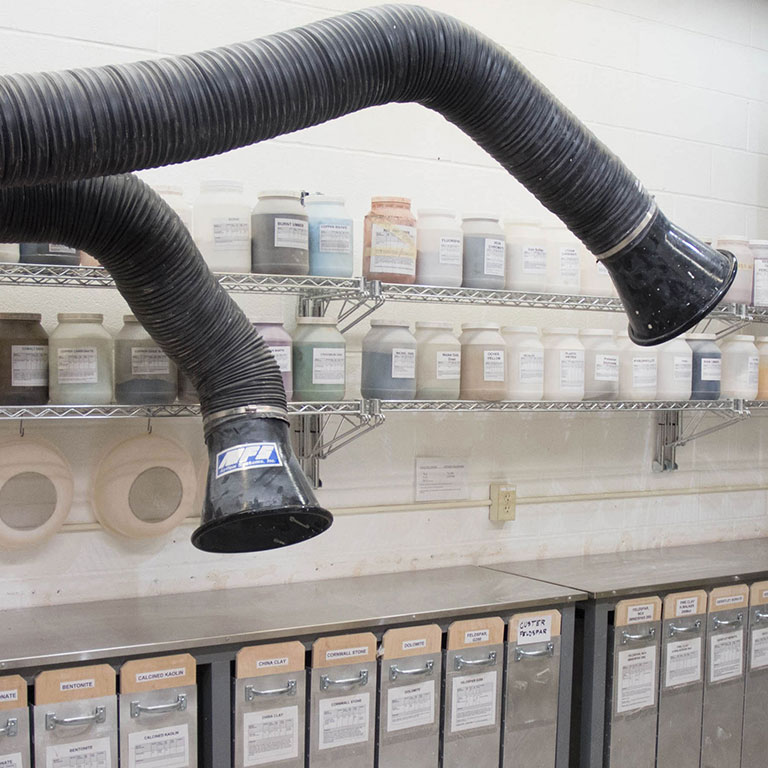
x,y
247,456
449,253
78,365
493,365
291,233
77,685
282,356
149,361
448,365
328,365
531,367
710,368
29,365
335,238
534,260
606,367
94,753
493,263
403,363
231,233
393,249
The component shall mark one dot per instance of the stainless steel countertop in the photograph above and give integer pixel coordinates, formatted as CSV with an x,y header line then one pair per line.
x,y
631,573
60,634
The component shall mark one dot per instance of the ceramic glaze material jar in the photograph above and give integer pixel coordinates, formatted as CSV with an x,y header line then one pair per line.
x,y
389,361
319,360
280,345
80,353
49,254
525,362
762,381
331,238
601,364
174,196
484,258
740,367
740,291
674,371
563,364
280,232
23,360
706,366
9,253
759,250
222,226
389,241
563,260
144,374
638,369
595,278
187,392
483,362
440,247
526,256
438,361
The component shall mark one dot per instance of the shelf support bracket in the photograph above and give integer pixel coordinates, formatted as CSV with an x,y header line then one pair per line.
x,y
353,308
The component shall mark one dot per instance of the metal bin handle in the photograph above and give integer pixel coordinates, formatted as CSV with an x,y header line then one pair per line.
x,y
361,679
158,709
487,662
627,637
760,616
289,690
51,721
718,623
394,670
675,630
521,653
11,727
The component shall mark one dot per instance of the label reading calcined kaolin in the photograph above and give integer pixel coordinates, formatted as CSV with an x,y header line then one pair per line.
x,y
247,456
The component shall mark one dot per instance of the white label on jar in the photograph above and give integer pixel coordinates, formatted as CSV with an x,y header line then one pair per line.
x,y
643,372
710,368
63,249
231,233
606,368
682,369
571,368
283,358
78,365
726,651
761,283
448,365
449,253
335,238
409,706
493,365
393,249
601,270
534,260
494,257
403,363
291,233
753,366
531,367
29,365
569,264
149,361
328,365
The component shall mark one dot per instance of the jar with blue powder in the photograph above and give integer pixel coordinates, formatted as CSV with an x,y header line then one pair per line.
x,y
330,236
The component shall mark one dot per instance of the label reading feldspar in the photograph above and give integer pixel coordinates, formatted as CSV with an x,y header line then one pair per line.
x,y
753,367
682,369
476,636
536,629
571,369
291,233
346,653
77,685
534,260
149,361
569,265
710,368
94,753
29,365
761,283
726,651
493,365
531,367
78,365
159,748
450,251
636,679
686,606
344,720
473,702
412,645
271,663
247,456
409,706
643,372
683,663
494,257
270,735
448,365
335,238
403,363
6,696
282,357
328,365
606,367
11,761
161,674
393,249
759,655
231,233
639,613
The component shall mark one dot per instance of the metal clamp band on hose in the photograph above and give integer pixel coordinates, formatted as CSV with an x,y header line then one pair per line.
x,y
252,411
633,235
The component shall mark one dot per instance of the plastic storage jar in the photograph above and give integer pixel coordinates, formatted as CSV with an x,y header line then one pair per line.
x,y
80,361
595,278
762,382
9,253
483,362
601,364
144,374
563,364
706,366
526,256
484,259
280,345
389,241
438,361
222,226
740,367
525,362
740,291
389,361
280,234
187,392
638,369
563,260
674,370
319,360
440,246
23,360
174,196
331,240
759,250
50,254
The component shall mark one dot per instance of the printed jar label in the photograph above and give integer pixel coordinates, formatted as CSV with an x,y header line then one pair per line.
x,y
344,720
448,365
606,367
473,702
710,368
531,367
159,748
270,735
149,361
283,357
335,238
403,363
759,655
409,706
493,263
534,260
726,651
682,369
291,233
761,283
493,365
643,372
328,365
569,265
393,249
29,365
683,663
64,250
536,629
78,365
571,369
636,684
450,251
753,367
231,233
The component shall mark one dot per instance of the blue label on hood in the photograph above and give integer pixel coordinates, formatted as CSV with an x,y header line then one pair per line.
x,y
247,456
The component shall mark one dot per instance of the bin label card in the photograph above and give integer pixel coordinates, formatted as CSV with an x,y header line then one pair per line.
x,y
270,735
759,653
729,600
94,753
412,645
77,685
535,629
683,662
636,679
344,720
159,748
247,456
12,695
11,761
473,701
686,606
346,653
269,663
409,706
476,636
639,613
160,674
726,651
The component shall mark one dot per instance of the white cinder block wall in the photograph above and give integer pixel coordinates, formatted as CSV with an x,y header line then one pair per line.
x,y
678,88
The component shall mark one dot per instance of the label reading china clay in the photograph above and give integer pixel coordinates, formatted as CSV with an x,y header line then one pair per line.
x,y
270,663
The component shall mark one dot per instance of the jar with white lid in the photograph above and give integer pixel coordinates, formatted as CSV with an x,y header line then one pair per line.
x,y
389,241
174,196
595,278
319,360
438,361
80,353
9,253
706,367
563,364
740,367
331,236
761,342
759,250
601,364
483,362
526,256
484,257
280,234
389,361
222,226
638,369
280,344
675,369
525,362
563,260
740,291
440,248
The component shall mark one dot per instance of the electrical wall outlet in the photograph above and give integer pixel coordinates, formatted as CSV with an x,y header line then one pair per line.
x,y
503,501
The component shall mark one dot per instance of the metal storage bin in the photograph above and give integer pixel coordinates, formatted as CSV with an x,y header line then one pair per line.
x,y
14,723
754,747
